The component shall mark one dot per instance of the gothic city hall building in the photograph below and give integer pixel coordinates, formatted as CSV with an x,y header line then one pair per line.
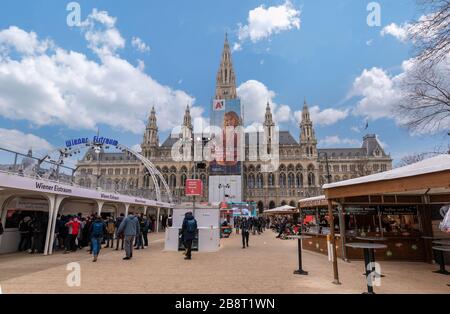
x,y
301,173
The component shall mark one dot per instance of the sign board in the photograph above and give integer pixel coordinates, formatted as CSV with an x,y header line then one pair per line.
x,y
358,211
407,210
194,187
10,181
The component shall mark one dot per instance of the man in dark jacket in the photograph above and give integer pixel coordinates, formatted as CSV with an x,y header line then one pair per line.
x,y
245,230
25,234
119,236
189,230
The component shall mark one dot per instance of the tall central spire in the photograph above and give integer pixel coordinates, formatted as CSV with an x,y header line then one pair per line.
x,y
226,78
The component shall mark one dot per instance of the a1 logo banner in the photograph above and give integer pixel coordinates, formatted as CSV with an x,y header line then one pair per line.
x,y
219,105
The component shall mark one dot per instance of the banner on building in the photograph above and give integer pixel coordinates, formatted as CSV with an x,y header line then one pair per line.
x,y
228,137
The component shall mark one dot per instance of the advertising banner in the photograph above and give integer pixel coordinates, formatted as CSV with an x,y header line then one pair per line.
x,y
228,135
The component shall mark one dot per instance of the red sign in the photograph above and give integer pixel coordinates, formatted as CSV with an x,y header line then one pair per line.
x,y
194,187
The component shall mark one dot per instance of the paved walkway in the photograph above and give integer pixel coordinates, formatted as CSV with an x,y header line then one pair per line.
x,y
266,267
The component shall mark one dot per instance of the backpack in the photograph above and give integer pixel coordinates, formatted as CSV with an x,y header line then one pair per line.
x,y
97,229
191,226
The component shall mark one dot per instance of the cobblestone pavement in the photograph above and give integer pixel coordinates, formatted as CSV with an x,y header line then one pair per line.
x,y
266,267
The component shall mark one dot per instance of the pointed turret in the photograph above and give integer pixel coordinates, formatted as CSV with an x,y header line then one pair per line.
x,y
268,121
151,137
187,128
308,139
226,78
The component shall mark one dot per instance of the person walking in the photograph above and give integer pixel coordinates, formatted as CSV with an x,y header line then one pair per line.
x,y
119,237
189,231
110,230
146,230
245,230
74,229
98,229
140,237
130,230
25,234
37,232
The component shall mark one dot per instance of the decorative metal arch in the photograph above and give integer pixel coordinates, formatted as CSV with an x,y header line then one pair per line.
x,y
152,171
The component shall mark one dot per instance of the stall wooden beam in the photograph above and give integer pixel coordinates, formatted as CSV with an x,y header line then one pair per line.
x,y
333,243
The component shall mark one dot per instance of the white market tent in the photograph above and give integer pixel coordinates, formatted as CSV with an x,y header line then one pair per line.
x,y
283,210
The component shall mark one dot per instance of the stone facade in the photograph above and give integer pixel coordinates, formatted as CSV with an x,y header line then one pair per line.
x,y
301,173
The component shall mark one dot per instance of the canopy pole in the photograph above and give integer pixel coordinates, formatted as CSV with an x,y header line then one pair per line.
x,y
333,243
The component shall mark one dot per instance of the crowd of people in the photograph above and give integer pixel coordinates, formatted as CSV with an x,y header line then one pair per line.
x,y
32,233
75,232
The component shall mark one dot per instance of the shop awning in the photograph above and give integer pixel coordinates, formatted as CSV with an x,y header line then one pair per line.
x,y
431,176
283,210
313,202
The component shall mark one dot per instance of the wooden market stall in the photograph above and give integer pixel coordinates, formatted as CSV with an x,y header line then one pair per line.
x,y
314,217
402,206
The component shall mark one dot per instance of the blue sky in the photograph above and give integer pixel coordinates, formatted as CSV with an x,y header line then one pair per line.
x,y
319,59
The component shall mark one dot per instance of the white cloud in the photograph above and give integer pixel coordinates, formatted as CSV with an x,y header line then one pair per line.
x,y
60,87
255,96
22,42
101,33
264,22
139,45
369,42
355,129
237,47
378,91
335,140
325,117
401,32
20,142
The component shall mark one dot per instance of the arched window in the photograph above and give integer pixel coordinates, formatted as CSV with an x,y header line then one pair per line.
x,y
311,179
299,180
283,180
173,181
260,181
183,180
88,183
291,180
271,179
251,181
